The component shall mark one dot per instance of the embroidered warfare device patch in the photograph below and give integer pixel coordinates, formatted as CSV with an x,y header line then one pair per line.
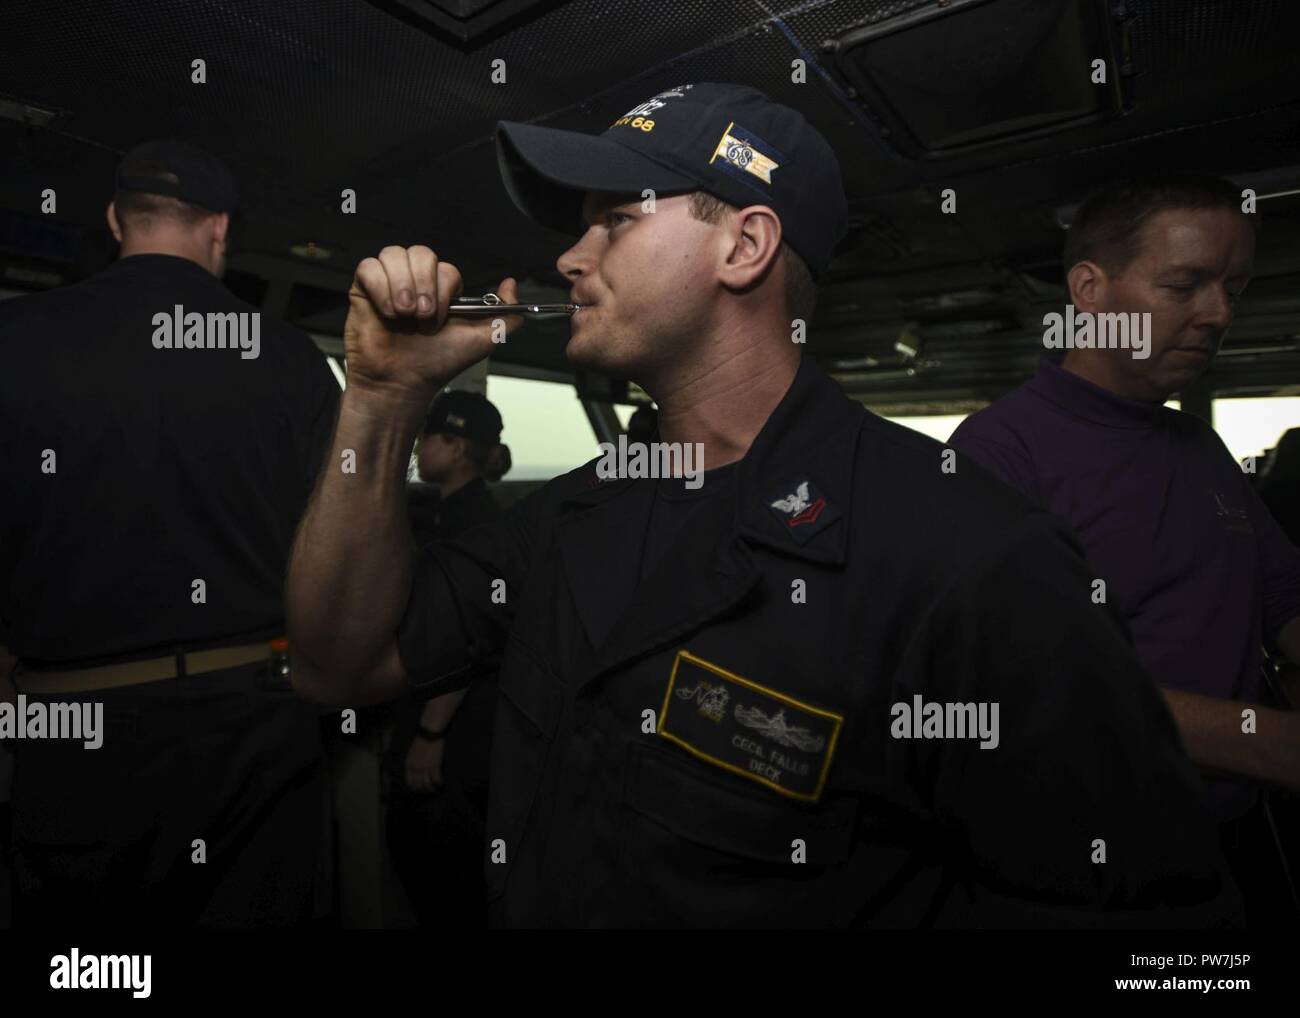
x,y
748,729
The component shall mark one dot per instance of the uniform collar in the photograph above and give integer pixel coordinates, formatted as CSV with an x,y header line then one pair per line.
x,y
810,439
159,262
811,436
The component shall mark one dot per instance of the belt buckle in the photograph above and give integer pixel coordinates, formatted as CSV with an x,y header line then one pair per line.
x,y
277,666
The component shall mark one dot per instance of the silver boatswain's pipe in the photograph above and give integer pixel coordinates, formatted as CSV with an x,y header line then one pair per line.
x,y
490,304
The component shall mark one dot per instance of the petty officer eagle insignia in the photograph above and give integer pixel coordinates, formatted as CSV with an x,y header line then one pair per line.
x,y
749,729
803,509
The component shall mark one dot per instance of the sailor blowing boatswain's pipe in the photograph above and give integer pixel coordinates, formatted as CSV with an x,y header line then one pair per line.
x,y
668,711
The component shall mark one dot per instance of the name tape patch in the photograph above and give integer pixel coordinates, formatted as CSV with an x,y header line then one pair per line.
x,y
749,729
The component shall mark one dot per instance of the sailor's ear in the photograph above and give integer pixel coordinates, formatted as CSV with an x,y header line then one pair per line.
x,y
114,227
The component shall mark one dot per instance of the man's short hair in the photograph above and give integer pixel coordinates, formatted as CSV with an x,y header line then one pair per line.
x,y
800,289
139,210
1107,229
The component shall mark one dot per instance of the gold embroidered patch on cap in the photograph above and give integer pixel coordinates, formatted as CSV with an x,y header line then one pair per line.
x,y
748,729
741,152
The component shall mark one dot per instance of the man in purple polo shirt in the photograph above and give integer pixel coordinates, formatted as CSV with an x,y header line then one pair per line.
x,y
1167,518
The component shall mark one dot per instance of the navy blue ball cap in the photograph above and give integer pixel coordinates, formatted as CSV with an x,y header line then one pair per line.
x,y
199,177
728,140
469,414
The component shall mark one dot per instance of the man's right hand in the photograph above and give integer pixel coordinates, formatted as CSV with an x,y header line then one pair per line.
x,y
399,338
350,573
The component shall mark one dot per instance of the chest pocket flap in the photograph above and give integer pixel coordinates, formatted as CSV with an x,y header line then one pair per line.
x,y
683,796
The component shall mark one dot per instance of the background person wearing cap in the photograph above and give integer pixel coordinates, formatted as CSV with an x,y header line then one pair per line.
x,y
697,720
458,449
439,770
142,570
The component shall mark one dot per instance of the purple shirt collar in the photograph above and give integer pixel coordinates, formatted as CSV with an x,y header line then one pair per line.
x,y
1081,398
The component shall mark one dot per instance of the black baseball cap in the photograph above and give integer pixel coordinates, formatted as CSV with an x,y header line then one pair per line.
x,y
469,414
201,179
729,140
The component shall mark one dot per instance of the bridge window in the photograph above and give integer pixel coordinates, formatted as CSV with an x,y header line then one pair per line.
x,y
545,426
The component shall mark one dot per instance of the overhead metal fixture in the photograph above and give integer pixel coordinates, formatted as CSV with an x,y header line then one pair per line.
x,y
907,348
466,21
30,114
1276,182
311,252
859,380
972,74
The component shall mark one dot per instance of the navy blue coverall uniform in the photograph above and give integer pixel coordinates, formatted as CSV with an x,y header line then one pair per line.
x,y
708,746
169,466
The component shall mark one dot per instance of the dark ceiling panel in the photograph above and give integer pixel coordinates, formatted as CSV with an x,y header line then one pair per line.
x,y
307,97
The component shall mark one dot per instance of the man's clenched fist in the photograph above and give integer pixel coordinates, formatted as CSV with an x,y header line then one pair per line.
x,y
398,334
